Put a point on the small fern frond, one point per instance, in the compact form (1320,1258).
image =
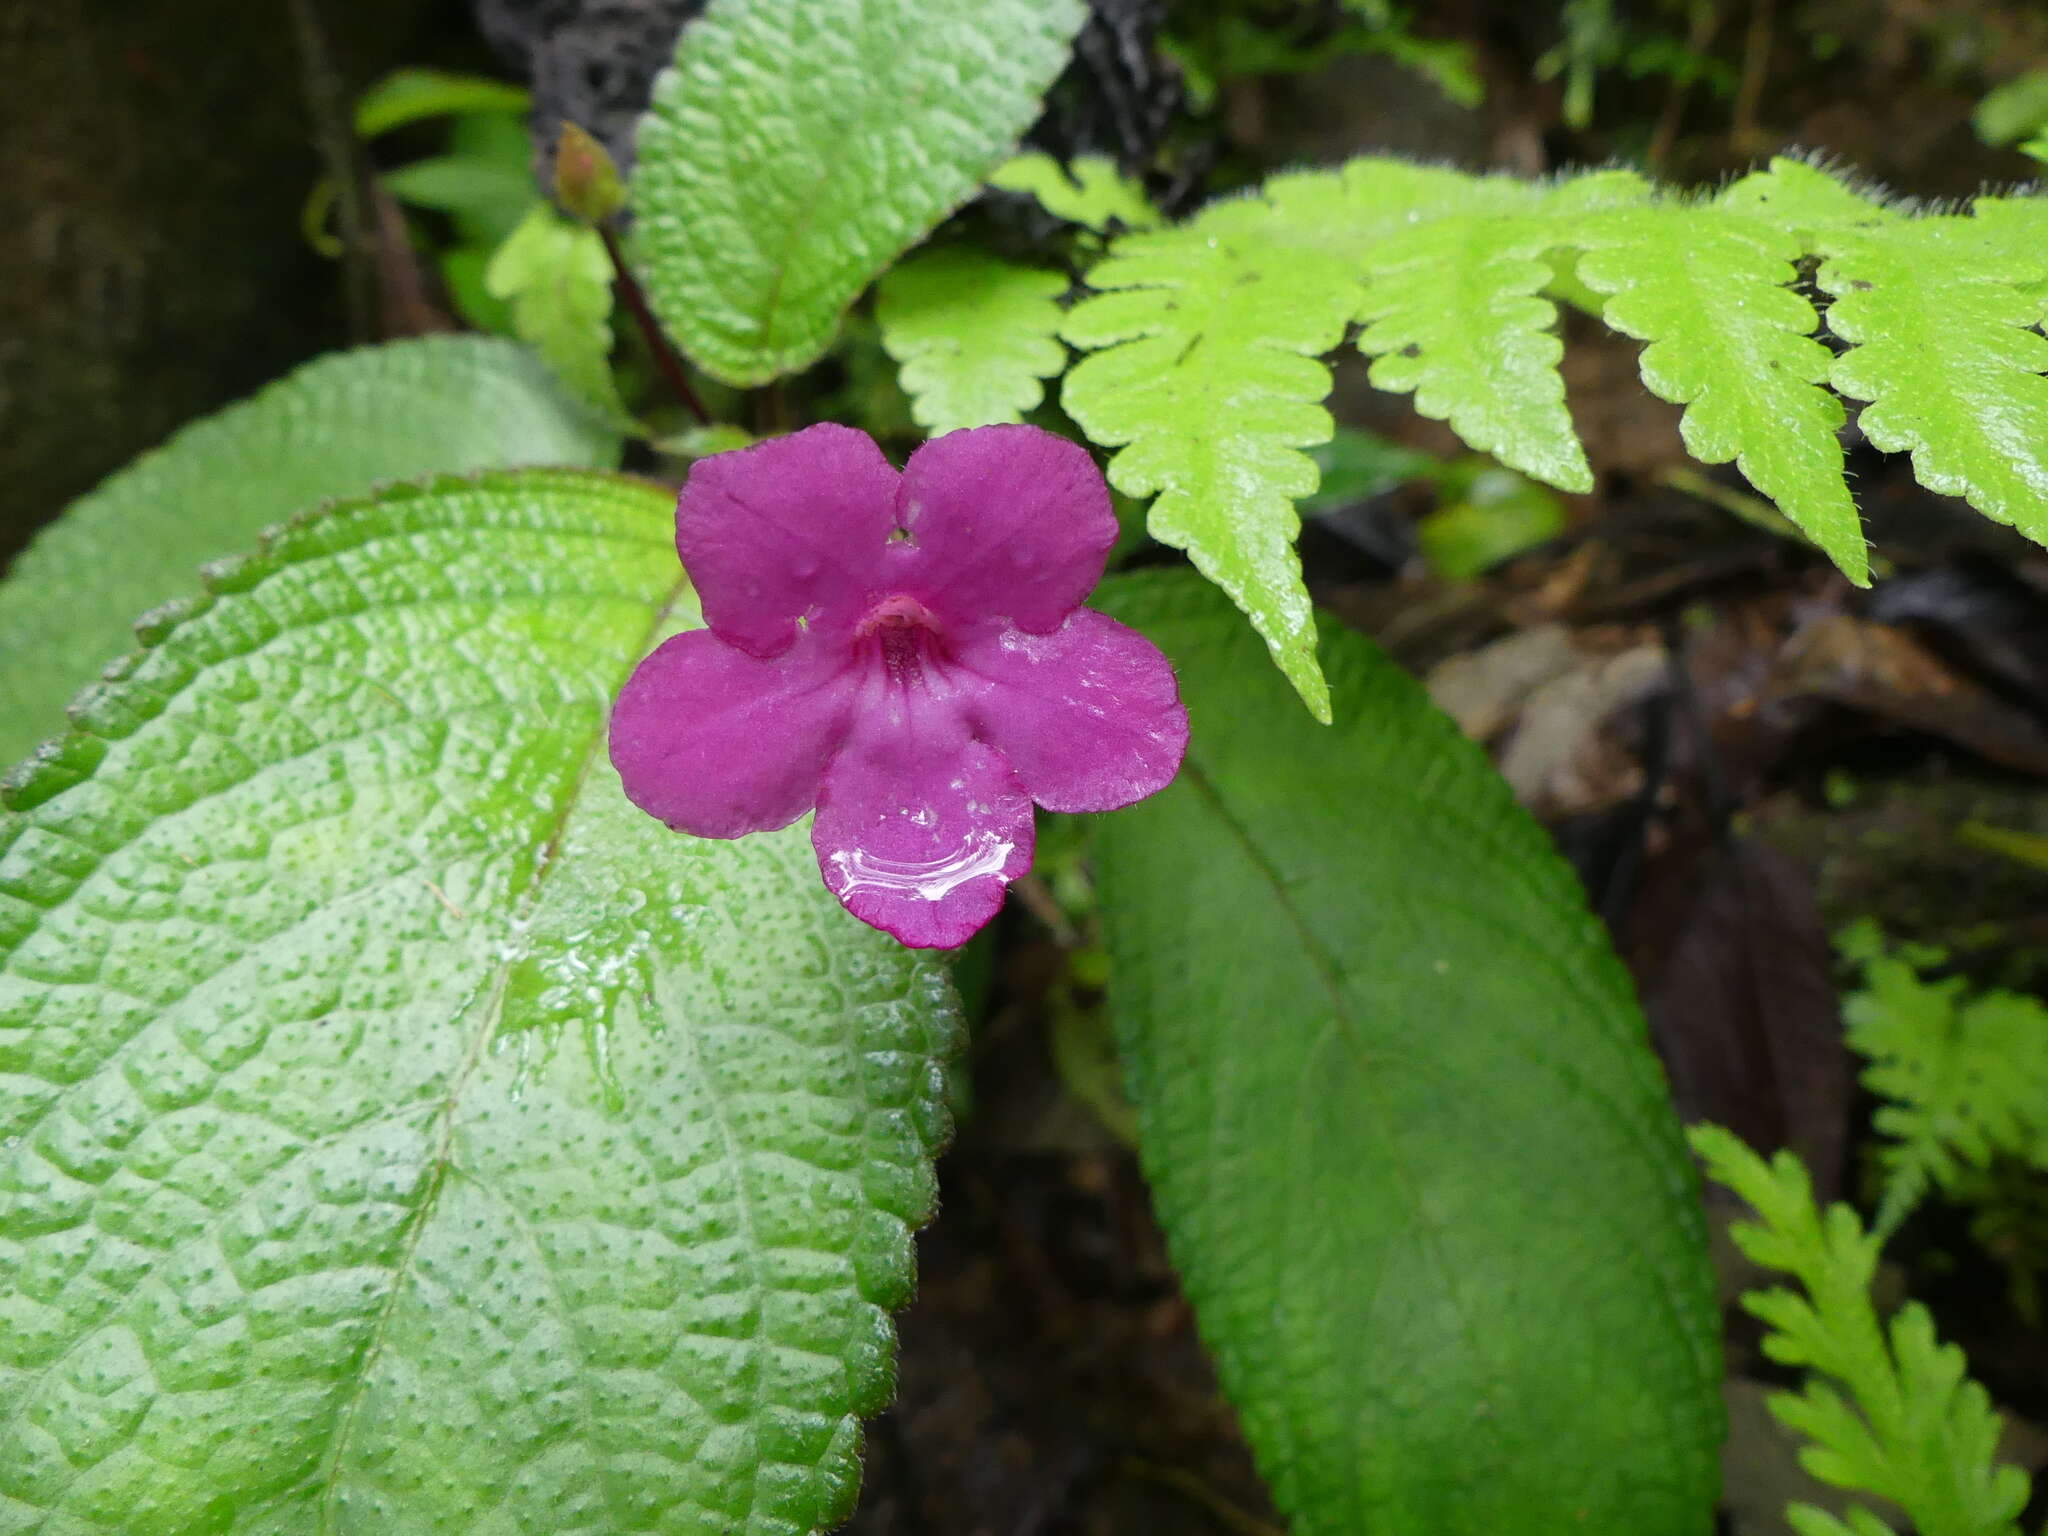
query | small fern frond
(1889,1413)
(1941,313)
(1203,373)
(976,336)
(1729,339)
(1962,1079)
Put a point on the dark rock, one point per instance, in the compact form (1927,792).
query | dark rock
(593,62)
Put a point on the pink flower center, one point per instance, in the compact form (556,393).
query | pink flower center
(907,635)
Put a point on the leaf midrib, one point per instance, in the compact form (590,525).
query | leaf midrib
(1330,976)
(1327,973)
(490,1015)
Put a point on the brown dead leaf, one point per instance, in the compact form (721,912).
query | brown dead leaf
(1885,672)
(1726,941)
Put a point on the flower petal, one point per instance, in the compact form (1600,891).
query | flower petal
(719,743)
(1009,521)
(920,828)
(1089,716)
(794,527)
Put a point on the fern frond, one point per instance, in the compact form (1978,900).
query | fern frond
(1707,288)
(1206,338)
(1963,1079)
(1941,311)
(1889,1413)
(1203,372)
(976,336)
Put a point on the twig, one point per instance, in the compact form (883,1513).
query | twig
(334,138)
(665,356)
(1220,1509)
(1706,21)
(1756,65)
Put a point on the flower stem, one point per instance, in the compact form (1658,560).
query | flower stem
(657,342)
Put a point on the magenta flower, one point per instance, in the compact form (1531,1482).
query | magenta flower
(907,653)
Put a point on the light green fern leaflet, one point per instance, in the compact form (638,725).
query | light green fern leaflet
(1089,190)
(795,150)
(1942,311)
(1452,308)
(402,1135)
(976,336)
(557,278)
(1794,195)
(1205,369)
(1889,1411)
(1729,339)
(1205,376)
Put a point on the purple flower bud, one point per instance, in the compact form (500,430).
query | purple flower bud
(908,655)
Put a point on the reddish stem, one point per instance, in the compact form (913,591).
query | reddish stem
(657,341)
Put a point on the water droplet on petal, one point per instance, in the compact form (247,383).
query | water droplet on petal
(932,879)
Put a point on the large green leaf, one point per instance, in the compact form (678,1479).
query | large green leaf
(1414,1158)
(794,150)
(333,428)
(399,1133)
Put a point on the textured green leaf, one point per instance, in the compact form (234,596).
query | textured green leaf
(557,278)
(1090,191)
(401,1133)
(333,428)
(1417,1167)
(795,150)
(977,336)
(1732,342)
(1941,312)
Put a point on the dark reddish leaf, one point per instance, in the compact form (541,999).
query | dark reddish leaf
(1736,973)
